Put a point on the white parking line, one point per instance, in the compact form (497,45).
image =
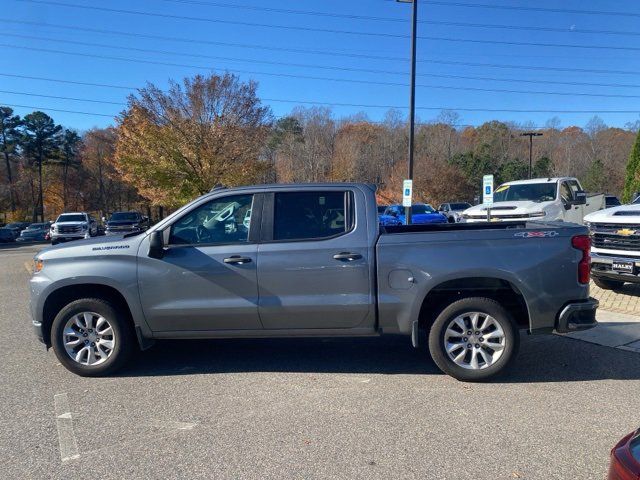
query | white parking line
(64,423)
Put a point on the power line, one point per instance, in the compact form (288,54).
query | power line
(58,110)
(532,9)
(324,67)
(332,31)
(58,97)
(399,20)
(324,52)
(73,82)
(347,80)
(123,87)
(339,104)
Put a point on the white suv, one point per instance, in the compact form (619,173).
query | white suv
(73,226)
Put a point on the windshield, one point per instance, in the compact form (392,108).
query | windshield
(533,192)
(418,209)
(460,206)
(71,217)
(36,226)
(124,217)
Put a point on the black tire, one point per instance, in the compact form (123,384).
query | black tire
(54,242)
(607,284)
(451,220)
(122,332)
(467,305)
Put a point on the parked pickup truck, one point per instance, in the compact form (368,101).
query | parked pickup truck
(73,226)
(126,222)
(615,235)
(311,261)
(540,198)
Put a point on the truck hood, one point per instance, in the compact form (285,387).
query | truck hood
(509,208)
(623,214)
(92,246)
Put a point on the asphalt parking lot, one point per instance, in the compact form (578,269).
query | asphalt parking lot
(362,408)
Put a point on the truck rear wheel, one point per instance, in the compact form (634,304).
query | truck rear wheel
(473,339)
(91,337)
(607,284)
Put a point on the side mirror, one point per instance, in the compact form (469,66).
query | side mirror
(156,245)
(580,198)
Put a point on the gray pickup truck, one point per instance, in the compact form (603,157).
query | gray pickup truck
(311,261)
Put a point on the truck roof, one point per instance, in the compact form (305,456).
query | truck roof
(539,180)
(297,185)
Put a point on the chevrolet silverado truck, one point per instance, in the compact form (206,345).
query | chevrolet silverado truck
(73,226)
(538,199)
(311,261)
(615,234)
(126,222)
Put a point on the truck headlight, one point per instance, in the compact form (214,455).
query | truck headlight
(537,214)
(84,227)
(37,265)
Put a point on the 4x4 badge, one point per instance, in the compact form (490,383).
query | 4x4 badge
(550,233)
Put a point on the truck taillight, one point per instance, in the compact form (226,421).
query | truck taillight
(583,243)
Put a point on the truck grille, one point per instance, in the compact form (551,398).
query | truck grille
(69,229)
(616,236)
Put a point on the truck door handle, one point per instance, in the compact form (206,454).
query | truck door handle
(347,256)
(236,260)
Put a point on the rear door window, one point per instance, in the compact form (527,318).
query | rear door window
(311,215)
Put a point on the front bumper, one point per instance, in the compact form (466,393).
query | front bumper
(601,266)
(68,237)
(110,232)
(577,316)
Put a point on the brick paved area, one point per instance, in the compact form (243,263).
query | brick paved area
(625,300)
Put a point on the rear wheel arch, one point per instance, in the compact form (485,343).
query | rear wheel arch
(500,290)
(63,296)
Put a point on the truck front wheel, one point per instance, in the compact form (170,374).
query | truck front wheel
(607,284)
(473,339)
(91,337)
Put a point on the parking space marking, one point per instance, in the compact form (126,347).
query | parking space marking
(64,424)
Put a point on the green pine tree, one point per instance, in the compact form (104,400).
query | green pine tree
(632,179)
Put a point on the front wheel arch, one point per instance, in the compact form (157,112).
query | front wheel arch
(63,296)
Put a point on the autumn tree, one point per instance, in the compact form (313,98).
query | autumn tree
(632,180)
(40,141)
(177,144)
(68,158)
(9,140)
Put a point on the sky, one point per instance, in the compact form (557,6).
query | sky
(351,55)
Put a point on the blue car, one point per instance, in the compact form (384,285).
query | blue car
(421,213)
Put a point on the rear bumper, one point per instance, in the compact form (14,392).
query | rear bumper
(577,316)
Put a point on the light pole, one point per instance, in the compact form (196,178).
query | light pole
(530,135)
(412,95)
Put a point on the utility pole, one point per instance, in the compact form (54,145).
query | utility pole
(531,135)
(412,95)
